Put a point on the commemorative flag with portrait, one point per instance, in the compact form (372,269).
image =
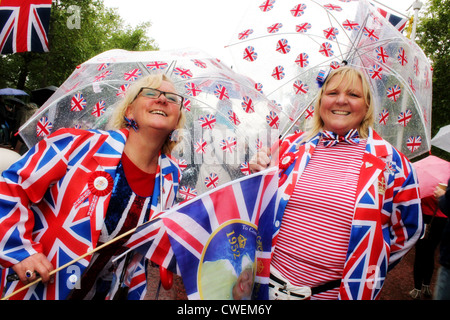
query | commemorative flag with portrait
(218,240)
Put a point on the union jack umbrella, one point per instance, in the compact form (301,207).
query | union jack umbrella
(225,113)
(287,45)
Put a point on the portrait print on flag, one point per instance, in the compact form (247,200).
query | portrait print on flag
(24,25)
(220,241)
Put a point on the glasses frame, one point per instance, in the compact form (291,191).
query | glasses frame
(162,93)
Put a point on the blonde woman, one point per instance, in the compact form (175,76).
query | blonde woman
(349,206)
(77,189)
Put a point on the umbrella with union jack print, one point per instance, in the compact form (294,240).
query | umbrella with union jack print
(287,45)
(226,116)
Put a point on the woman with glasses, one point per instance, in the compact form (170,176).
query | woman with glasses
(78,189)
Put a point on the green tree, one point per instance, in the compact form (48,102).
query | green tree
(79,30)
(434,38)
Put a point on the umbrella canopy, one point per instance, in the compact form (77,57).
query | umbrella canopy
(227,118)
(431,171)
(442,138)
(12,92)
(286,46)
(39,96)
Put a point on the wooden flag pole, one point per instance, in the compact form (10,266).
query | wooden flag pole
(75,260)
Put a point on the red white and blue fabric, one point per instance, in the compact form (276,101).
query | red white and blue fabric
(387,220)
(24,25)
(40,190)
(187,236)
(331,139)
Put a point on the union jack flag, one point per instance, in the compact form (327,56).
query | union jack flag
(77,103)
(132,75)
(24,25)
(351,25)
(398,22)
(413,143)
(404,117)
(250,54)
(401,57)
(187,193)
(192,89)
(275,27)
(273,120)
(283,47)
(412,85)
(247,104)
(182,163)
(103,66)
(267,5)
(375,71)
(199,63)
(278,73)
(416,66)
(382,55)
(331,33)
(233,117)
(209,231)
(298,10)
(300,87)
(370,33)
(302,28)
(157,65)
(212,181)
(228,144)
(221,92)
(122,91)
(102,75)
(383,117)
(332,7)
(200,146)
(99,109)
(183,73)
(187,104)
(393,93)
(245,34)
(326,49)
(302,60)
(44,127)
(309,112)
(258,87)
(245,168)
(208,121)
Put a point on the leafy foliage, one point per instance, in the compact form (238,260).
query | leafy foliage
(79,30)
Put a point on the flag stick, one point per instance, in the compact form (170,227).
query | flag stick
(76,259)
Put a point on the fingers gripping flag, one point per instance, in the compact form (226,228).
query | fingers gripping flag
(220,241)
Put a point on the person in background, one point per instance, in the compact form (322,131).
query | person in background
(78,189)
(442,290)
(426,246)
(349,206)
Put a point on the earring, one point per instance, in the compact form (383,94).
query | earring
(131,123)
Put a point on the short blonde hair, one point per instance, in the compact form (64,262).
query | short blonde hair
(151,81)
(351,74)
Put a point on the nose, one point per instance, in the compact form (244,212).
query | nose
(341,98)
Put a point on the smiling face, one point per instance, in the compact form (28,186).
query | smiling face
(343,106)
(159,113)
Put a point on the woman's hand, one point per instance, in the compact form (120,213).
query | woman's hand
(36,263)
(438,192)
(260,161)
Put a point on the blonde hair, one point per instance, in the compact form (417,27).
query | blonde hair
(351,75)
(151,81)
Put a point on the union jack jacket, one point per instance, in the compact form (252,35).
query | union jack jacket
(46,206)
(387,218)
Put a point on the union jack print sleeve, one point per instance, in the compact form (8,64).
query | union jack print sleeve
(406,212)
(24,183)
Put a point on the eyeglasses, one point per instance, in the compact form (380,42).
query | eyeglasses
(155,94)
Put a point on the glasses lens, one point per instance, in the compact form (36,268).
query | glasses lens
(150,93)
(173,98)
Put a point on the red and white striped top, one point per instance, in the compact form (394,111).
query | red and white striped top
(313,239)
